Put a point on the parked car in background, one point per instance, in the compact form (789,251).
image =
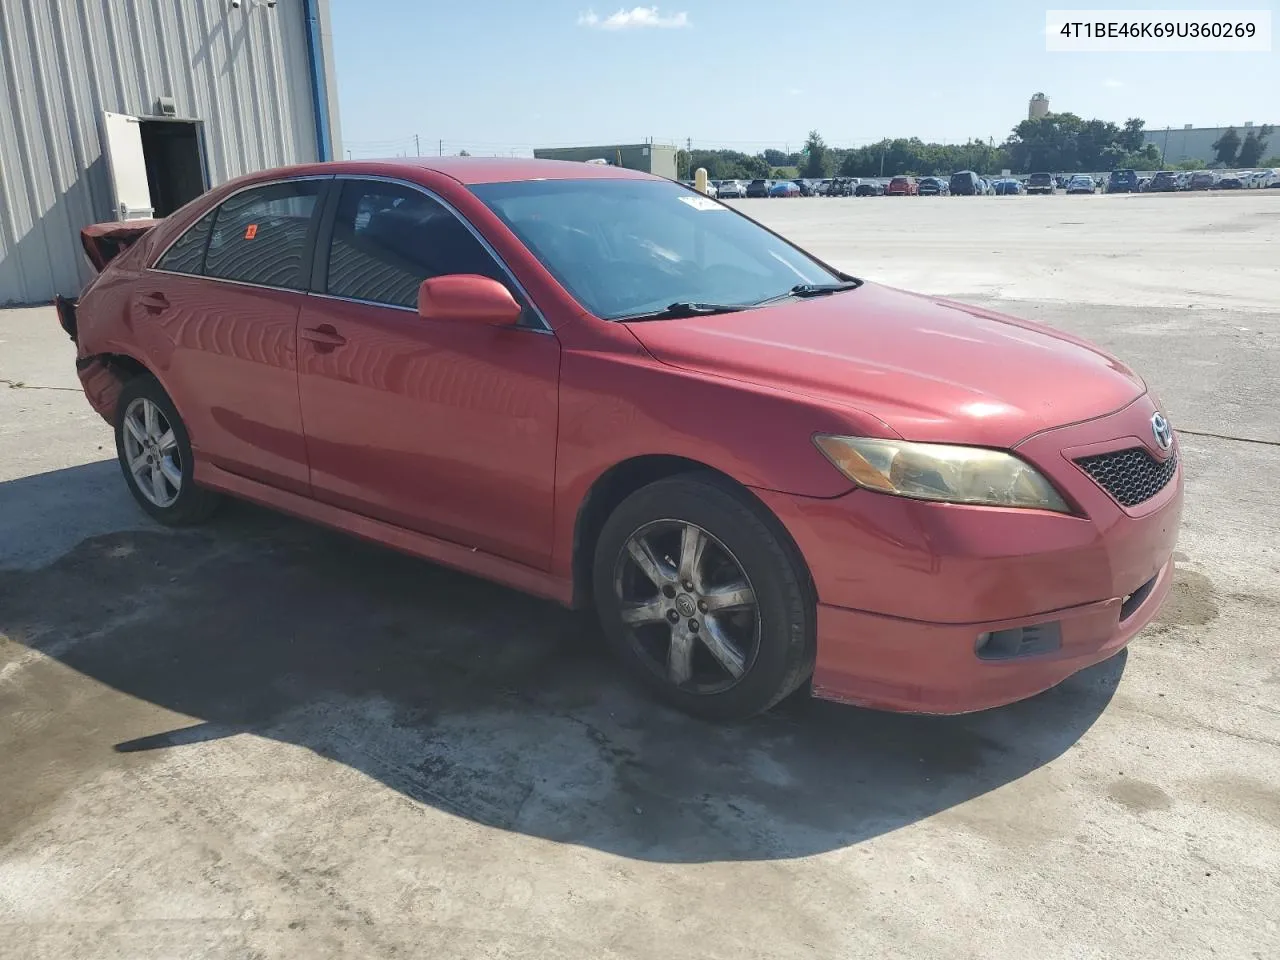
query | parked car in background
(1165,181)
(965,183)
(1061,182)
(1122,181)
(759,188)
(1202,180)
(808,188)
(869,188)
(1009,187)
(1081,183)
(934,187)
(1232,180)
(843,187)
(1040,183)
(784,188)
(732,190)
(1269,179)
(902,187)
(545,374)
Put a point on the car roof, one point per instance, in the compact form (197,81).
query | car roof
(467,170)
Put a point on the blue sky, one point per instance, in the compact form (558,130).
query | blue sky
(496,76)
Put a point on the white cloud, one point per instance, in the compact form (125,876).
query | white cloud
(795,91)
(1113,84)
(635,17)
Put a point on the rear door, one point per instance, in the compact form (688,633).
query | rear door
(444,427)
(126,167)
(219,312)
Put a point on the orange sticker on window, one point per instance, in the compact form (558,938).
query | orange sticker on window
(251,231)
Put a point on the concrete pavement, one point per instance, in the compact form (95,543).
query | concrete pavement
(262,739)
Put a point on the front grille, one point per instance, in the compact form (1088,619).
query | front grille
(1131,476)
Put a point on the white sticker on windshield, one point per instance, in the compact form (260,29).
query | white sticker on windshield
(701,203)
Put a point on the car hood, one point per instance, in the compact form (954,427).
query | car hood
(931,369)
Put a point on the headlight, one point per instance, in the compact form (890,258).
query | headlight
(935,471)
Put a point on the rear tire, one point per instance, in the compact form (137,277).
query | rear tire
(155,456)
(704,597)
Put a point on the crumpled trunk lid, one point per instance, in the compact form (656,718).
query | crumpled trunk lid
(103,242)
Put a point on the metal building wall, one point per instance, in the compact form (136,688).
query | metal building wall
(244,72)
(1194,143)
(659,159)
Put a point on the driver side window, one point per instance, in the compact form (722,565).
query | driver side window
(388,238)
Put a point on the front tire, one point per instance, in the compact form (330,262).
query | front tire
(704,598)
(155,457)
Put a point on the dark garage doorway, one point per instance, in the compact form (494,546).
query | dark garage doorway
(175,163)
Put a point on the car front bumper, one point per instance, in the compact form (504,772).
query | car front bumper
(907,590)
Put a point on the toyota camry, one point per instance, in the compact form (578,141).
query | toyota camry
(763,472)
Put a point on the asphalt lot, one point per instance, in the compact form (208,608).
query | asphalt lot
(261,739)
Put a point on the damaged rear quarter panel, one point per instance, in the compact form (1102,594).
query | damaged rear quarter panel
(108,346)
(102,382)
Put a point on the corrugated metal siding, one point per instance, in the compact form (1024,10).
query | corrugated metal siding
(65,62)
(1192,143)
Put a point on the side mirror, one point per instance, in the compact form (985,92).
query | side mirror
(469,298)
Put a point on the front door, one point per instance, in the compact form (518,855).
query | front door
(448,428)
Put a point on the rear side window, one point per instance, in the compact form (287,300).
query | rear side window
(187,253)
(260,236)
(388,238)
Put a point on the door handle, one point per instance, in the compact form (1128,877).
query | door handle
(154,301)
(324,335)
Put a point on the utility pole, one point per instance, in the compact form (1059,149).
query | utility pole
(439,148)
(883,146)
(348,154)
(417,147)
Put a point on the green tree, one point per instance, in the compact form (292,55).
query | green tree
(756,168)
(1148,158)
(1094,137)
(814,161)
(1192,164)
(1226,147)
(1132,138)
(1272,161)
(1254,146)
(1047,143)
(463,153)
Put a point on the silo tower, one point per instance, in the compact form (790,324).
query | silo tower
(1038,107)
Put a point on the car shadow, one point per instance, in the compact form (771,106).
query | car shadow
(484,702)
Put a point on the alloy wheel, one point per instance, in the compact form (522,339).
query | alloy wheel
(151,452)
(687,606)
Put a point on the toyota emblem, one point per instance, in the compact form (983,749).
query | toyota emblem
(1161,430)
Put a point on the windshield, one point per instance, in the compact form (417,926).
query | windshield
(624,248)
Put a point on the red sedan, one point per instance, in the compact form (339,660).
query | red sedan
(902,187)
(603,388)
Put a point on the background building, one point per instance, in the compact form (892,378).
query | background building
(123,110)
(1038,107)
(1196,143)
(656,158)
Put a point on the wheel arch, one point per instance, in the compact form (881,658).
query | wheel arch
(626,477)
(104,375)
